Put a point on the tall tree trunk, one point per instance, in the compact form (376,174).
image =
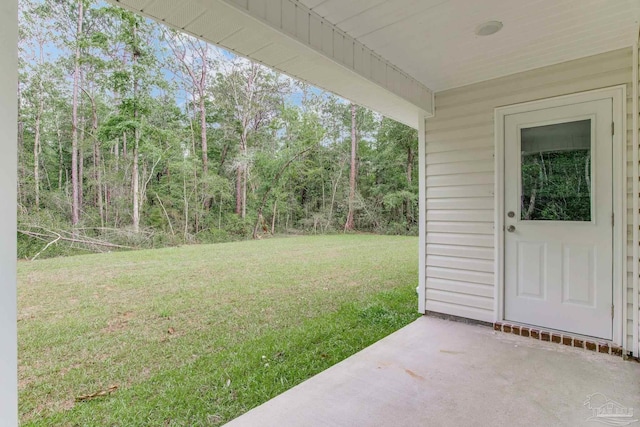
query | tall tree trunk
(20,145)
(203,132)
(409,165)
(95,171)
(97,174)
(116,153)
(239,190)
(349,225)
(38,125)
(241,174)
(135,185)
(273,217)
(106,192)
(36,163)
(203,139)
(186,205)
(135,173)
(124,146)
(244,191)
(36,144)
(75,200)
(196,220)
(220,211)
(81,162)
(60,155)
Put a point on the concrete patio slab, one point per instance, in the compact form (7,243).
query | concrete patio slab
(441,373)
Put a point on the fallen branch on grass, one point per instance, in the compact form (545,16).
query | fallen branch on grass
(47,245)
(97,394)
(66,236)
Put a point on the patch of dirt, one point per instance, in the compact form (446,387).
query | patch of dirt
(43,409)
(170,334)
(23,382)
(28,312)
(214,418)
(67,405)
(65,370)
(118,323)
(146,372)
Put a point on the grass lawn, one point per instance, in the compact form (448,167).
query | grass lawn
(197,335)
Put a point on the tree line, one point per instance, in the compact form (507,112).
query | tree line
(131,134)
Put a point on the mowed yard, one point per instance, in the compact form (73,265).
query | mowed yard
(197,335)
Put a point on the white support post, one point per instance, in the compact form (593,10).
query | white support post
(422,215)
(8,175)
(635,206)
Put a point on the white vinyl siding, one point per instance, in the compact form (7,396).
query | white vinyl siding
(460,174)
(633,220)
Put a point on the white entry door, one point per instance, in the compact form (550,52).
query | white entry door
(559,218)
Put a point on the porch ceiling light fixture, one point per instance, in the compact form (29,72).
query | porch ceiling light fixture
(488,28)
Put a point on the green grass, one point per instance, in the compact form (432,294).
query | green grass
(248,320)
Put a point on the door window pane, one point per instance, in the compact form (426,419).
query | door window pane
(556,172)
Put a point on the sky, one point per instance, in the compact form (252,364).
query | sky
(53,52)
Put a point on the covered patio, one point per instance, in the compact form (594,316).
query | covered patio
(443,373)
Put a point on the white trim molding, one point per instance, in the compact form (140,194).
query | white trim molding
(618,95)
(422,216)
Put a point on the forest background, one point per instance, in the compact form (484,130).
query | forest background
(132,135)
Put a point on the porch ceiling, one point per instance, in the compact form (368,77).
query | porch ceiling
(434,40)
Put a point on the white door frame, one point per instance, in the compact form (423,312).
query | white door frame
(618,94)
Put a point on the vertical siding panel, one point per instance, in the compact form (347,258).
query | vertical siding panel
(358,57)
(327,39)
(302,24)
(289,17)
(274,12)
(348,52)
(463,125)
(315,32)
(259,8)
(633,173)
(338,46)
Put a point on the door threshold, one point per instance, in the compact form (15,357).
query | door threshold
(597,345)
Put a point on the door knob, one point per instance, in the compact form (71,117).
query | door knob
(511,228)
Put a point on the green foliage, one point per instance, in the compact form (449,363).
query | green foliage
(285,144)
(216,235)
(556,186)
